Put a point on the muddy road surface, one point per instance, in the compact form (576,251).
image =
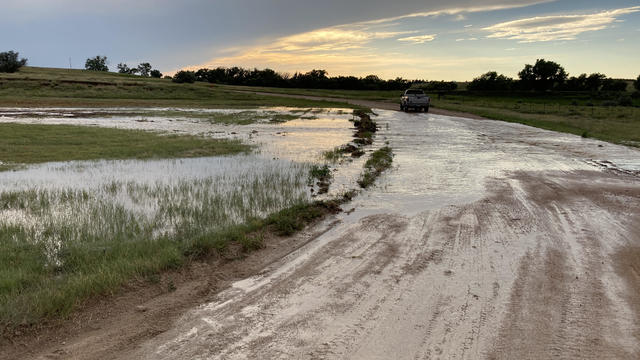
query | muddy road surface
(487,240)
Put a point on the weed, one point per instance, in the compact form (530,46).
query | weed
(379,161)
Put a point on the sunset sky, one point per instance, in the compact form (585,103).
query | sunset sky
(428,39)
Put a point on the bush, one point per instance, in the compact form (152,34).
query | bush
(625,101)
(183,76)
(156,74)
(10,63)
(636,84)
(614,85)
(98,63)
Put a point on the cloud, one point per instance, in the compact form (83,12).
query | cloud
(354,47)
(330,39)
(459,11)
(420,39)
(556,27)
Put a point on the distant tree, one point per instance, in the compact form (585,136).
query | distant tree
(576,83)
(491,81)
(636,84)
(183,76)
(594,82)
(98,63)
(613,85)
(10,62)
(144,69)
(156,74)
(543,76)
(123,68)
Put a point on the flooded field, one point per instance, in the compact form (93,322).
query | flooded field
(69,215)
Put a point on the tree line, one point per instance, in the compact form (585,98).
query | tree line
(546,76)
(314,79)
(543,76)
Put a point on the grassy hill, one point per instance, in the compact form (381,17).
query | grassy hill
(44,87)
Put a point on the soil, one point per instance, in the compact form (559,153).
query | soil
(487,240)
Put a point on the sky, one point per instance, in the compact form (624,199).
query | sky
(414,39)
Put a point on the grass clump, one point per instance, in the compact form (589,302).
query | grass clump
(379,161)
(30,143)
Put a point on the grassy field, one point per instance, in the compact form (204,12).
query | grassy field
(29,144)
(46,87)
(579,114)
(576,115)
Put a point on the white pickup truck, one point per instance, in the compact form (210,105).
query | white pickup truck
(415,99)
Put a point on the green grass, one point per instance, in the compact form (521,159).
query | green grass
(29,144)
(47,87)
(615,124)
(379,161)
(74,244)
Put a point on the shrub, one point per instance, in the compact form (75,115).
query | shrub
(183,76)
(625,101)
(156,74)
(614,85)
(98,63)
(636,84)
(10,63)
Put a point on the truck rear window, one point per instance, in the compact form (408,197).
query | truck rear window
(415,92)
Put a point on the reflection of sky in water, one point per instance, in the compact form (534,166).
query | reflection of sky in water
(95,174)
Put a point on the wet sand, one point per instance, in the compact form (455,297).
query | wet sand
(487,240)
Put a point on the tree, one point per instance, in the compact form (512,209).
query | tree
(614,85)
(543,76)
(491,81)
(98,63)
(183,76)
(594,82)
(144,69)
(10,63)
(156,74)
(636,84)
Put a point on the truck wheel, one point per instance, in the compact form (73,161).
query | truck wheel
(426,109)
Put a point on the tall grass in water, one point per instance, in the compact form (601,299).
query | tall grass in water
(58,247)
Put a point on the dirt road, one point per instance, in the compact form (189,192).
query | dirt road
(487,240)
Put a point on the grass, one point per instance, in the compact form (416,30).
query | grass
(61,247)
(372,95)
(615,124)
(48,87)
(29,144)
(379,161)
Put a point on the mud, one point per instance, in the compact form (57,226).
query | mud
(486,240)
